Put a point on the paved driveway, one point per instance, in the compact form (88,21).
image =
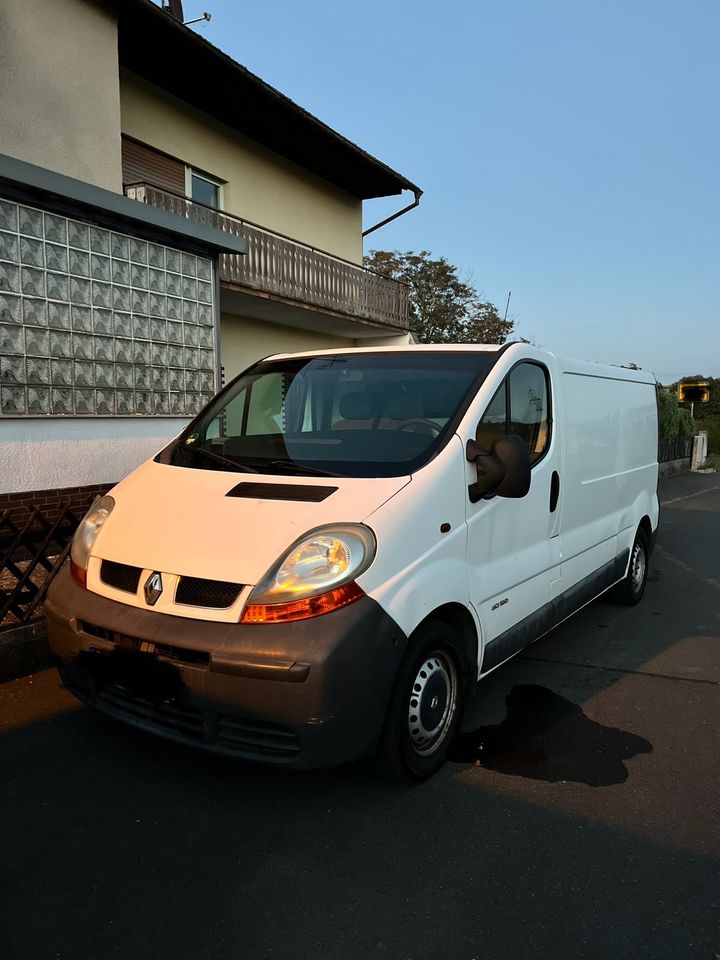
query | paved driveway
(580,818)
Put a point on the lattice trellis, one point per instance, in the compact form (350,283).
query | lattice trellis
(30,557)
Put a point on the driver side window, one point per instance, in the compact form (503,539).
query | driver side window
(494,422)
(521,405)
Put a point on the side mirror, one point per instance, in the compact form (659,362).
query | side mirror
(503,471)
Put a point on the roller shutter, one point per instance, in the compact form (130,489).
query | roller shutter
(143,164)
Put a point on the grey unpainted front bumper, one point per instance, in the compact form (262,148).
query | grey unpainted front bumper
(309,693)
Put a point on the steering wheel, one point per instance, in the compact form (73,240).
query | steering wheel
(415,421)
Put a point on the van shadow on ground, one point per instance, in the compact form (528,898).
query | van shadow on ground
(546,737)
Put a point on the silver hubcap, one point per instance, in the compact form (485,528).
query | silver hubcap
(637,568)
(433,702)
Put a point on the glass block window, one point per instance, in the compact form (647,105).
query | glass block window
(99,323)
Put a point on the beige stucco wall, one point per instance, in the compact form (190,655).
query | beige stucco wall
(243,341)
(59,89)
(260,185)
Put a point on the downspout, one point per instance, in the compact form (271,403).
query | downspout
(418,193)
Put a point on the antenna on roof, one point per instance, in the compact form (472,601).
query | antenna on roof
(174,8)
(206,16)
(507,304)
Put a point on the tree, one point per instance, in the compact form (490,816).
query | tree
(707,415)
(443,308)
(674,420)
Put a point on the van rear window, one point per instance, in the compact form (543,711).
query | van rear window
(349,414)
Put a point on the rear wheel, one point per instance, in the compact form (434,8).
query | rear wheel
(630,590)
(424,707)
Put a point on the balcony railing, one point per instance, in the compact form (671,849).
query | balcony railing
(290,270)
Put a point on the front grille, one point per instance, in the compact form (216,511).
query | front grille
(256,737)
(179,654)
(229,734)
(120,575)
(197,592)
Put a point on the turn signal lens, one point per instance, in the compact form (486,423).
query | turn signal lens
(78,574)
(302,609)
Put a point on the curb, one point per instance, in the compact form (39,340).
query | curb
(671,468)
(23,650)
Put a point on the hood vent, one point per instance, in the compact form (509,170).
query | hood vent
(303,492)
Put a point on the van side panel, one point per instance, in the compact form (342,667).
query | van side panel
(418,567)
(513,553)
(610,468)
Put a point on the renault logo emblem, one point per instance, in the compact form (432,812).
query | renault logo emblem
(153,588)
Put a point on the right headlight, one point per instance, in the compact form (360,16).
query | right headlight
(85,537)
(315,576)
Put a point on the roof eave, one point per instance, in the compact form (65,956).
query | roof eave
(153,44)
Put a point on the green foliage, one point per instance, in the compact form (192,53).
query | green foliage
(711,409)
(443,308)
(706,415)
(674,421)
(686,427)
(712,426)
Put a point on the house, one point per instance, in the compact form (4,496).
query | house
(166,219)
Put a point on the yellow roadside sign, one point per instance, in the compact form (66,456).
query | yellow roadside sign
(695,392)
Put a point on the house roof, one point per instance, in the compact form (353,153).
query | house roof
(159,48)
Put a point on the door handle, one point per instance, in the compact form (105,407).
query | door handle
(554,490)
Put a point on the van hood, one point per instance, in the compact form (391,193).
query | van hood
(180,520)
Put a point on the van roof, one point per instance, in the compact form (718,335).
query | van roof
(565,364)
(404,348)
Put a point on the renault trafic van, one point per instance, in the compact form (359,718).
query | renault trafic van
(334,552)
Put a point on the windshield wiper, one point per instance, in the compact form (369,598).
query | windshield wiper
(300,468)
(223,461)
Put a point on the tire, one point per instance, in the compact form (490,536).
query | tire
(630,590)
(424,708)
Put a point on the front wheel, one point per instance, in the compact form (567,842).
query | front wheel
(425,706)
(630,590)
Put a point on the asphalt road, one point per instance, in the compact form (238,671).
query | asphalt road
(580,818)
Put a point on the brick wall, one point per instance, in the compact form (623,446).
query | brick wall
(49,501)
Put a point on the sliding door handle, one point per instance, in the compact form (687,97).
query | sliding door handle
(554,490)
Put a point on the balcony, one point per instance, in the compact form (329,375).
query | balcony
(285,270)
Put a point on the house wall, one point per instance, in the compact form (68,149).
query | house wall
(60,101)
(43,454)
(260,185)
(243,341)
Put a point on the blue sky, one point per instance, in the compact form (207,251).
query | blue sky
(569,151)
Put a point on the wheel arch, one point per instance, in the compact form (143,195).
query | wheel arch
(626,538)
(646,525)
(461,622)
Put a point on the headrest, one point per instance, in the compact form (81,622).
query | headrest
(355,406)
(404,406)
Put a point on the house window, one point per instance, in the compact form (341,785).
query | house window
(203,189)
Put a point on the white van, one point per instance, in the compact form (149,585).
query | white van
(341,544)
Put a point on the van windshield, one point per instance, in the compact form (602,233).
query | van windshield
(350,414)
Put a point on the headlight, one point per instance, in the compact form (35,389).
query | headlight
(315,575)
(85,537)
